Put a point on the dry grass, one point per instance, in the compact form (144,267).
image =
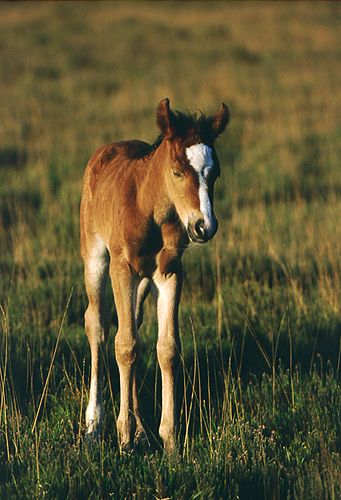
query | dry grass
(260,315)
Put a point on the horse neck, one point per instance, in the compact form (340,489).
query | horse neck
(153,191)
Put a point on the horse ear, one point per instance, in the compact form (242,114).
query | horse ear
(220,120)
(165,119)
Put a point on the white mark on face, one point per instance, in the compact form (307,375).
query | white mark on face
(200,158)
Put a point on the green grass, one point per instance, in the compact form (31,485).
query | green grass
(258,386)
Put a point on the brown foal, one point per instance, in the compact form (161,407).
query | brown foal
(141,206)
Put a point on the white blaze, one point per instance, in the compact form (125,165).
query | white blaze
(200,158)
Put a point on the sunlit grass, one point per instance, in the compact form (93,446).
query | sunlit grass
(259,400)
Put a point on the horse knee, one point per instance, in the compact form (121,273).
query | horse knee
(166,353)
(93,325)
(125,348)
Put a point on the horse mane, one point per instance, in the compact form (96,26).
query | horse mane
(156,143)
(137,150)
(196,125)
(188,125)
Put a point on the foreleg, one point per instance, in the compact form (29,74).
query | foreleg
(168,348)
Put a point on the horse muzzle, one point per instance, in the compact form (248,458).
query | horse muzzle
(199,231)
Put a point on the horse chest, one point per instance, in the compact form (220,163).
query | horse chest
(152,251)
(143,248)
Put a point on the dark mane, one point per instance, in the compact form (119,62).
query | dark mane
(140,149)
(156,143)
(188,124)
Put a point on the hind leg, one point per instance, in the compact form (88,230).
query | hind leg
(142,293)
(140,437)
(96,327)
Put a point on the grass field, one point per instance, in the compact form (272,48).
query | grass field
(260,317)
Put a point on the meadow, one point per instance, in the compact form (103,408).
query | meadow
(258,383)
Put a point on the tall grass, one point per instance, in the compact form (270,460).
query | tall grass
(258,382)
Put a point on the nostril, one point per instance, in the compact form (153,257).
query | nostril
(200,227)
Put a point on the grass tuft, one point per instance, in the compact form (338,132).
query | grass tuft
(258,383)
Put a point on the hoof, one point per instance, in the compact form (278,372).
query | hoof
(170,448)
(126,449)
(91,444)
(93,430)
(94,419)
(91,437)
(141,441)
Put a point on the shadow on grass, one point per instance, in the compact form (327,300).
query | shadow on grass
(19,206)
(203,374)
(13,157)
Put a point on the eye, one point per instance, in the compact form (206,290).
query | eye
(178,169)
(177,173)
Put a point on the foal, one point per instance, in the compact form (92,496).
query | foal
(141,206)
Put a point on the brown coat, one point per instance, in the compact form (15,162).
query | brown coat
(141,205)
